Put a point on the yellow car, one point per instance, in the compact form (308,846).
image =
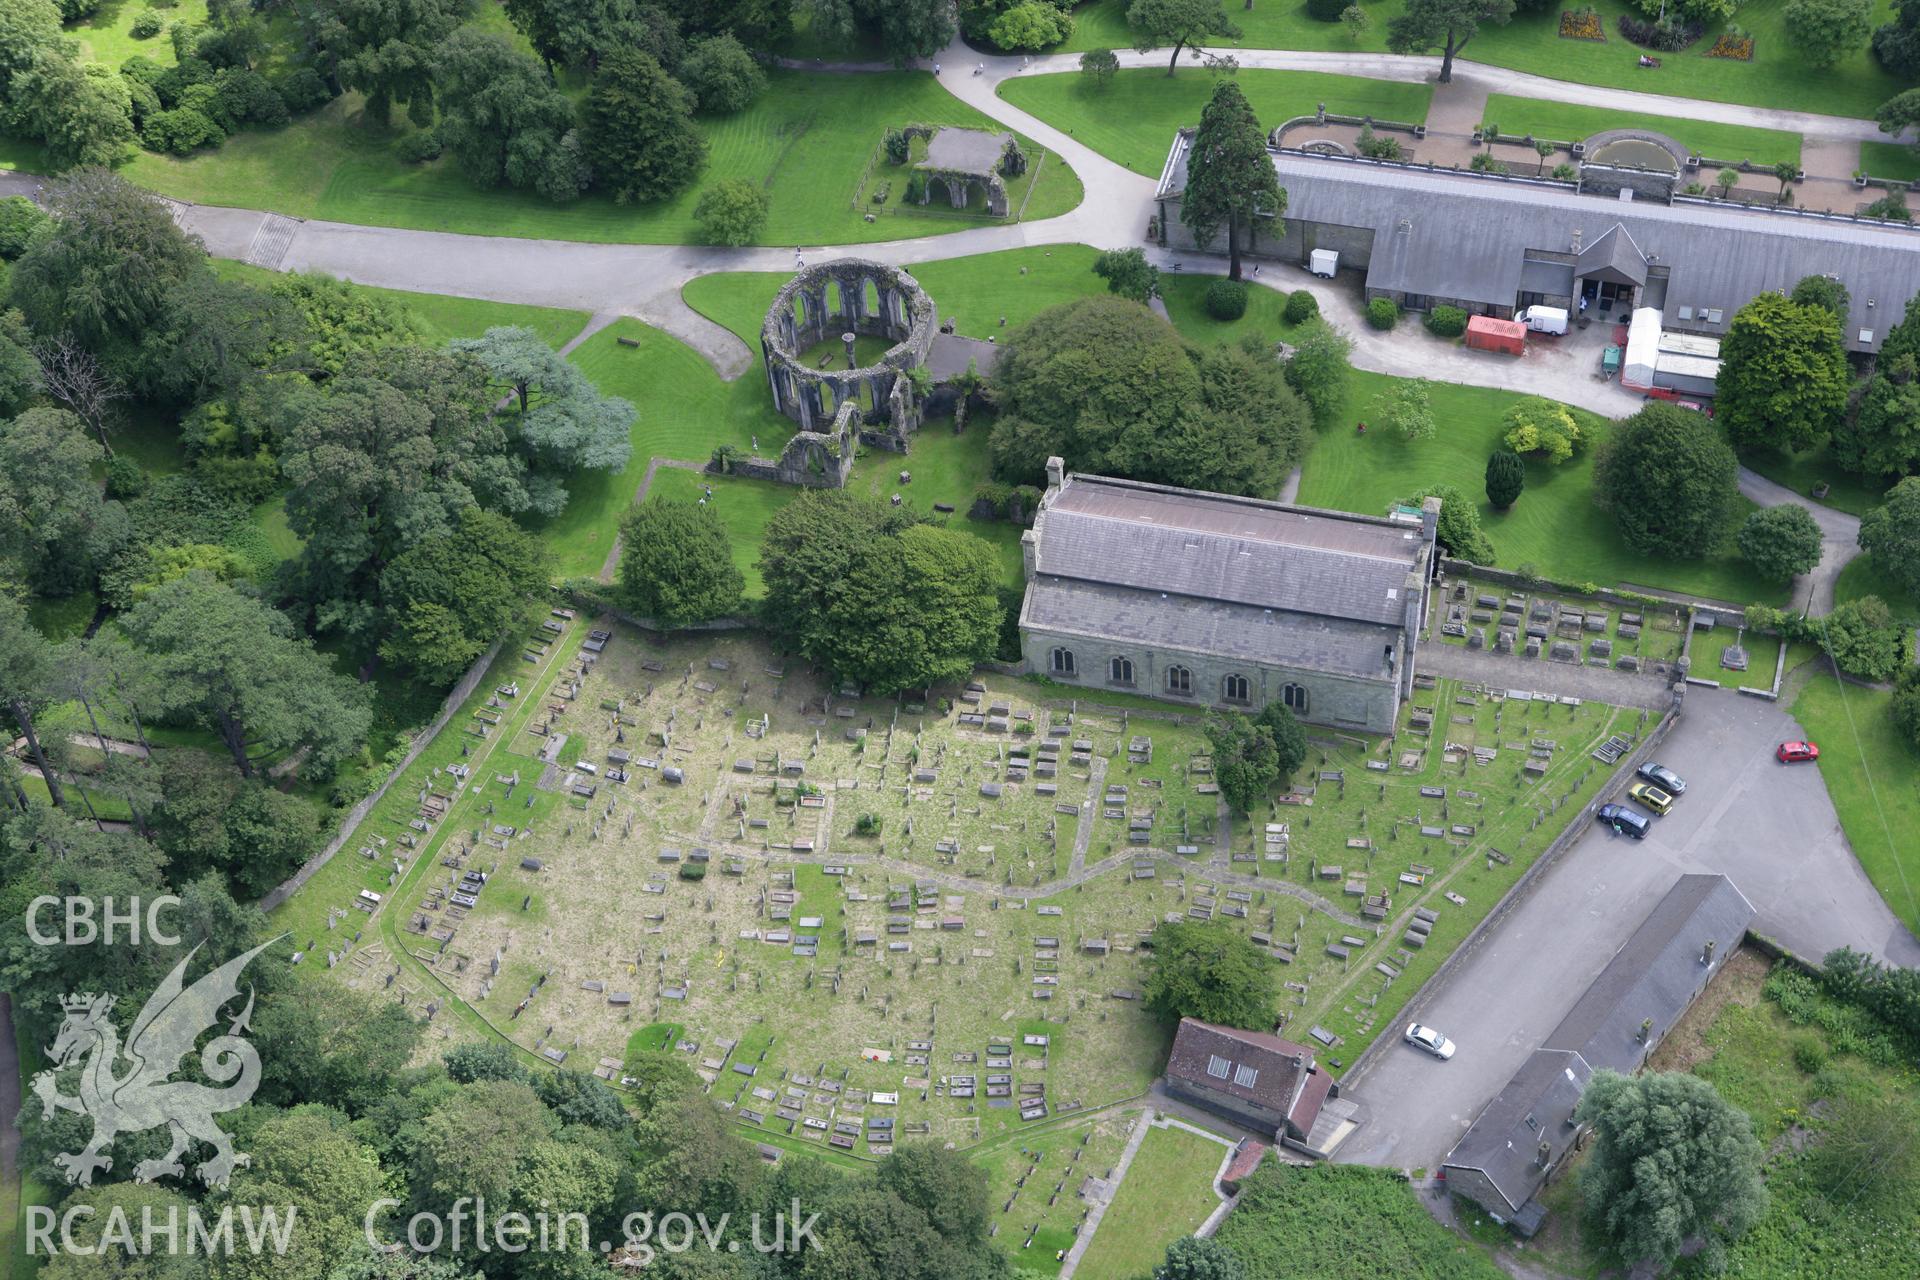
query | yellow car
(1651,796)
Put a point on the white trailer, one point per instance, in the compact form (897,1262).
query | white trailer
(1323,262)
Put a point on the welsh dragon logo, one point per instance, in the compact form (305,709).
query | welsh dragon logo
(144,1097)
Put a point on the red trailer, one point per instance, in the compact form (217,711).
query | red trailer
(1489,334)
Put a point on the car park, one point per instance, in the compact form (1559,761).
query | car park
(1651,797)
(1431,1041)
(1623,821)
(1796,752)
(1664,778)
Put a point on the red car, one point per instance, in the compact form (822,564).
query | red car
(1794,752)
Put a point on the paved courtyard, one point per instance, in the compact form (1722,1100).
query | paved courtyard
(1768,827)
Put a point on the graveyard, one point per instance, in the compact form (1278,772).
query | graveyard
(1559,628)
(862,920)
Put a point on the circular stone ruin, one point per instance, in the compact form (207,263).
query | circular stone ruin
(809,339)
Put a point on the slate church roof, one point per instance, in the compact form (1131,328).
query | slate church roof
(1250,1066)
(1211,573)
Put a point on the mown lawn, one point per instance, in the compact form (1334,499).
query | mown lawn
(1566,122)
(807,141)
(1555,526)
(1898,160)
(1874,778)
(1776,77)
(1167,1193)
(1862,577)
(1132,120)
(1801,472)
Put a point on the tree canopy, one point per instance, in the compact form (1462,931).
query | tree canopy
(451,595)
(1781,542)
(676,564)
(1180,23)
(385,49)
(504,121)
(1128,273)
(1445,24)
(1459,529)
(1231,181)
(1251,753)
(1670,480)
(1113,389)
(1209,972)
(862,589)
(1671,1159)
(639,131)
(1783,374)
(1890,535)
(233,664)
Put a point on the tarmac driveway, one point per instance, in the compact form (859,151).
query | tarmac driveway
(1768,827)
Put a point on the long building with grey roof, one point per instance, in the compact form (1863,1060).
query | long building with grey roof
(1213,600)
(1524,1135)
(1492,244)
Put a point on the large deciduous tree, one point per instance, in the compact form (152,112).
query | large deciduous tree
(639,130)
(402,444)
(1890,534)
(1671,1159)
(1781,542)
(1318,368)
(859,588)
(1251,753)
(908,29)
(107,269)
(1670,481)
(732,212)
(676,564)
(1209,972)
(55,527)
(1783,374)
(1897,44)
(1882,435)
(1180,23)
(1231,182)
(1825,31)
(1113,389)
(25,682)
(503,121)
(234,665)
(564,423)
(386,49)
(82,114)
(451,595)
(1129,274)
(1444,24)
(722,75)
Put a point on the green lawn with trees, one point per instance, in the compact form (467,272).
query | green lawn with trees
(805,142)
(1778,75)
(1570,122)
(1131,119)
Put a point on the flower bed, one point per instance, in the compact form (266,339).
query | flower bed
(1582,24)
(1737,47)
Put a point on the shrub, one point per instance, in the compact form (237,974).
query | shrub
(181,131)
(1670,36)
(1375,147)
(1301,307)
(418,147)
(1545,427)
(146,26)
(693,871)
(125,479)
(1226,299)
(303,89)
(1565,173)
(899,147)
(245,97)
(1483,162)
(916,192)
(1030,27)
(1892,207)
(1383,313)
(1446,322)
(1327,10)
(1809,1054)
(867,824)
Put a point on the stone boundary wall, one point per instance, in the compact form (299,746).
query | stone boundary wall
(1531,877)
(356,815)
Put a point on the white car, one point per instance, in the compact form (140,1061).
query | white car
(1432,1041)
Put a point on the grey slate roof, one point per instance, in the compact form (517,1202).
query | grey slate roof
(1452,234)
(1655,974)
(1175,624)
(1239,551)
(1614,257)
(1502,1143)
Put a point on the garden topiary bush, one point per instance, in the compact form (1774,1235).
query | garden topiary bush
(418,148)
(1383,313)
(1301,307)
(1226,299)
(1446,322)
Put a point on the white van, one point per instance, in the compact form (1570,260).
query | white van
(1544,319)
